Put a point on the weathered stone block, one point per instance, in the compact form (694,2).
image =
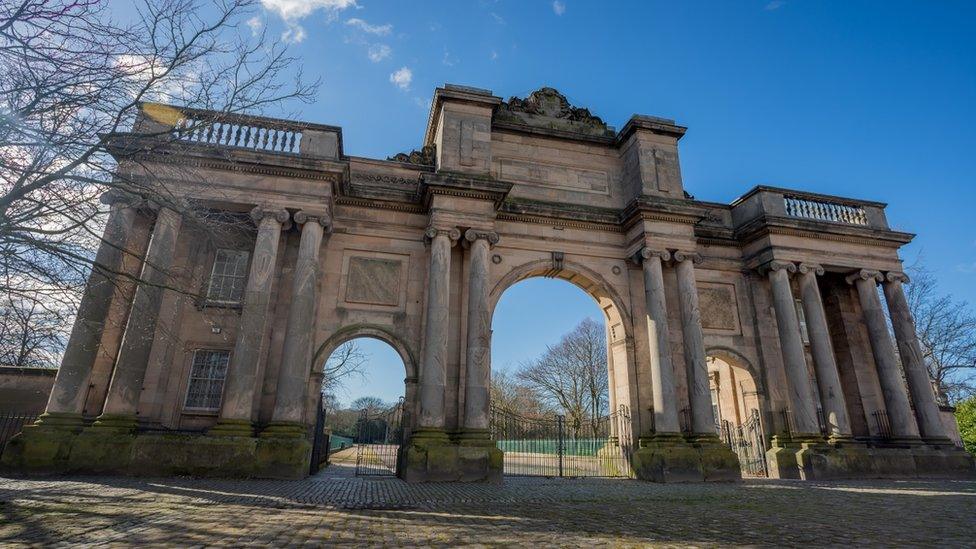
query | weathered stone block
(668,462)
(39,450)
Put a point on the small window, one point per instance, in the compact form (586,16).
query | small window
(804,334)
(207,379)
(228,277)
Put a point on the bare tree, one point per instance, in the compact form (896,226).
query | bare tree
(572,375)
(32,332)
(371,404)
(510,393)
(346,361)
(946,330)
(73,84)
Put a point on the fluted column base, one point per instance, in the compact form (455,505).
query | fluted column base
(285,429)
(227,427)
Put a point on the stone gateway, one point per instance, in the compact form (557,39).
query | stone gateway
(770,313)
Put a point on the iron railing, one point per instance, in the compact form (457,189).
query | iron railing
(558,446)
(378,440)
(819,210)
(749,444)
(12,423)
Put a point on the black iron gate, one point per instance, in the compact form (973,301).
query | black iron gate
(320,441)
(748,442)
(379,435)
(557,446)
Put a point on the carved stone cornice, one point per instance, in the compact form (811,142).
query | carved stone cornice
(864,274)
(896,276)
(462,185)
(471,235)
(852,234)
(776,266)
(304,217)
(681,256)
(426,156)
(261,213)
(451,233)
(359,202)
(805,268)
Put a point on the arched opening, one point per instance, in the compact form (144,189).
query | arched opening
(737,405)
(363,376)
(560,374)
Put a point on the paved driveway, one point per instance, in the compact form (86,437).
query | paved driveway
(336,508)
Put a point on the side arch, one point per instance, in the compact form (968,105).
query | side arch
(382,333)
(735,358)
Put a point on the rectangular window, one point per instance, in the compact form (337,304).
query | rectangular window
(207,379)
(228,277)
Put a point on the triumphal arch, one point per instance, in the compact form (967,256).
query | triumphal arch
(211,364)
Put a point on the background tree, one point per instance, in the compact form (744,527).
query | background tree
(572,375)
(966,417)
(947,333)
(511,394)
(72,83)
(32,331)
(346,361)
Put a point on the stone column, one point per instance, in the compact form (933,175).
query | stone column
(802,405)
(241,382)
(824,362)
(67,399)
(293,376)
(702,416)
(659,339)
(478,366)
(433,366)
(899,410)
(919,384)
(122,400)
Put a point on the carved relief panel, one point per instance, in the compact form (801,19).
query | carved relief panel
(373,280)
(719,309)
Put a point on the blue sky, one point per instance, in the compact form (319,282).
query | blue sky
(873,100)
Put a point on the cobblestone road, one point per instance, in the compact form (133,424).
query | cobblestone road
(335,508)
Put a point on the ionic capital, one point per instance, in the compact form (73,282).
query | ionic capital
(865,274)
(647,253)
(112,197)
(777,265)
(681,256)
(304,217)
(471,235)
(896,276)
(433,232)
(813,268)
(260,213)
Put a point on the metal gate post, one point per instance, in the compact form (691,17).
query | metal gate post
(560,427)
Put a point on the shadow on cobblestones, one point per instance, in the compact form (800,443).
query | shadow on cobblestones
(537,511)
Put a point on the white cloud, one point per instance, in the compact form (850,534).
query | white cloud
(378,30)
(255,25)
(293,11)
(558,7)
(379,52)
(293,35)
(498,18)
(494,55)
(774,5)
(967,268)
(402,78)
(449,60)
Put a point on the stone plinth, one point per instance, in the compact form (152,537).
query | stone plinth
(816,460)
(672,458)
(433,457)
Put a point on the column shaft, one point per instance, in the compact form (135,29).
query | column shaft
(433,368)
(130,367)
(296,357)
(241,382)
(919,383)
(824,362)
(69,390)
(702,416)
(477,373)
(659,339)
(889,374)
(794,358)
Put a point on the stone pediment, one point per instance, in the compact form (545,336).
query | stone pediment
(546,108)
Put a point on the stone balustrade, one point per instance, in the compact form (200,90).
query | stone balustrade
(819,210)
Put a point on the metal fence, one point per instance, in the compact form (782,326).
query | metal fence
(557,446)
(378,440)
(749,444)
(12,423)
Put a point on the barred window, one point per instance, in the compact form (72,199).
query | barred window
(228,277)
(207,379)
